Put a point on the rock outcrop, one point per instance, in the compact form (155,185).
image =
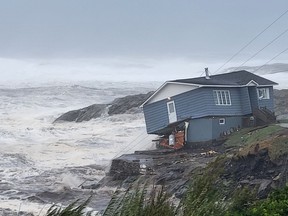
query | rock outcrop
(84,114)
(128,104)
(281,103)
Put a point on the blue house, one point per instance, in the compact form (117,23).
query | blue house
(210,107)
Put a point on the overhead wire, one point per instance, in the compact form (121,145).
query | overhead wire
(272,60)
(255,54)
(122,151)
(253,39)
(125,150)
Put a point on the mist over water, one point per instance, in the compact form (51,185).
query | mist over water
(50,72)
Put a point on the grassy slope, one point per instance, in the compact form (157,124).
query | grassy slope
(274,138)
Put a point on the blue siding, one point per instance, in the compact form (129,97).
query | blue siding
(230,122)
(156,116)
(200,102)
(200,130)
(268,103)
(206,129)
(245,101)
(253,97)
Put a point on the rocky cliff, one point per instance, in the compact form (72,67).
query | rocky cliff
(250,164)
(281,103)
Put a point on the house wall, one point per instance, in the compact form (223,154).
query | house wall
(207,129)
(156,116)
(201,102)
(268,103)
(195,104)
(253,97)
(199,130)
(230,123)
(245,101)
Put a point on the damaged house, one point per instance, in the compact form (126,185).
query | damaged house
(208,108)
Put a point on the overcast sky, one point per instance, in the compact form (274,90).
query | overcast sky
(193,30)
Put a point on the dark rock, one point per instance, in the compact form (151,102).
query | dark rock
(9,212)
(92,186)
(128,104)
(85,114)
(264,188)
(281,103)
(121,169)
(125,104)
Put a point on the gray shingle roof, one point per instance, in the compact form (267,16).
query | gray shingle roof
(233,78)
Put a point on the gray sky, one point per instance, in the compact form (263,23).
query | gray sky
(138,39)
(201,29)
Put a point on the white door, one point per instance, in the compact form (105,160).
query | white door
(171,111)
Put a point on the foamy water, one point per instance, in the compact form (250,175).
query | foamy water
(43,163)
(38,156)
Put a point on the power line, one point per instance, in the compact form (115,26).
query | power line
(123,151)
(251,41)
(272,60)
(129,144)
(262,48)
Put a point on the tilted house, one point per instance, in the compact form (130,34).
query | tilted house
(213,106)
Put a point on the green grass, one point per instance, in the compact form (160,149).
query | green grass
(245,137)
(71,210)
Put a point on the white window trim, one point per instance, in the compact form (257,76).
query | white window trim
(220,99)
(222,119)
(266,91)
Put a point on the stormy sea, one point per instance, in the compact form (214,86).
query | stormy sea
(44,162)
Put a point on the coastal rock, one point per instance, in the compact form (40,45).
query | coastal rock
(125,104)
(281,103)
(84,114)
(128,104)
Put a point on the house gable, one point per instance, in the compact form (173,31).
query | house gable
(252,83)
(168,90)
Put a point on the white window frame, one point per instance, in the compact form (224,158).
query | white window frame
(222,97)
(222,121)
(263,93)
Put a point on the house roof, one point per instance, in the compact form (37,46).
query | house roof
(232,79)
(237,78)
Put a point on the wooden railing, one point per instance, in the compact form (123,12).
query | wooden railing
(264,115)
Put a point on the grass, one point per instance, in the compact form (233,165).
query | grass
(141,202)
(272,138)
(74,209)
(248,136)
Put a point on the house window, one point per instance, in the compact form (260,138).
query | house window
(222,97)
(222,121)
(263,93)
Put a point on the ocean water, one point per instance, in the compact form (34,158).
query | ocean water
(44,163)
